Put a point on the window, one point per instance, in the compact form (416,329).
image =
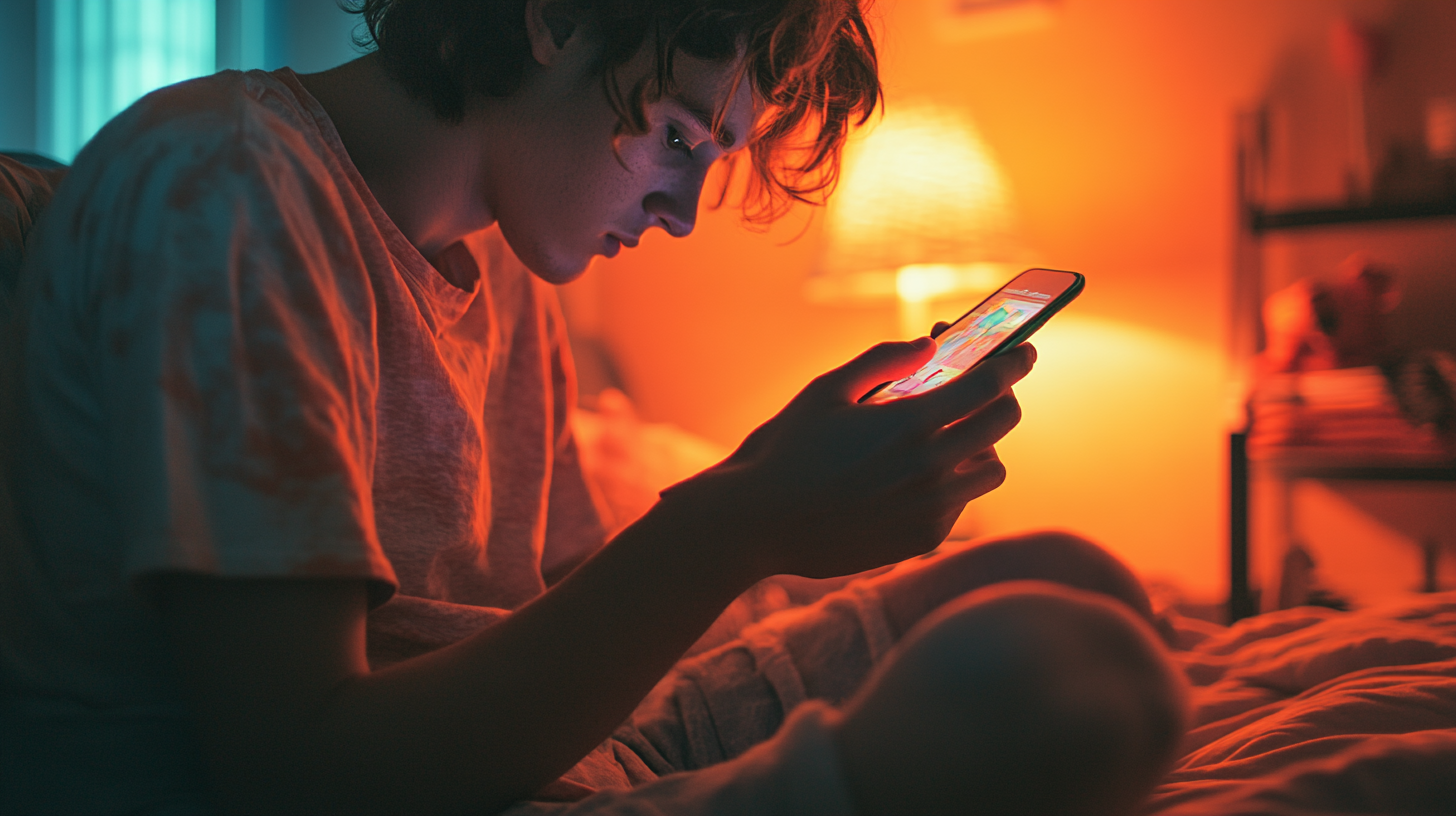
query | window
(96,57)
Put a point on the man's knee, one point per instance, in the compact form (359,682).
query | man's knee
(1065,558)
(918,587)
(1021,697)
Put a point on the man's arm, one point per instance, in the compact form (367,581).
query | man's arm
(292,719)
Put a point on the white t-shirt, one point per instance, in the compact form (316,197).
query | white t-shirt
(228,360)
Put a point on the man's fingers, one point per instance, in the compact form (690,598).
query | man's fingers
(976,476)
(939,327)
(979,431)
(975,461)
(974,389)
(881,363)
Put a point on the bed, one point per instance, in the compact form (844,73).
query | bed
(1313,711)
(1300,712)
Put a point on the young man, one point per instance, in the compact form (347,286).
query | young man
(295,521)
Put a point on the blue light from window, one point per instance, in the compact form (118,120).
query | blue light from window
(105,54)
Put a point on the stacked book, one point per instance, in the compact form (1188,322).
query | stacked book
(1348,416)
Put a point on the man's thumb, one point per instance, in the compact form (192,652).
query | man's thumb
(880,363)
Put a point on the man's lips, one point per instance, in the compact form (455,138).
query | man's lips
(612,244)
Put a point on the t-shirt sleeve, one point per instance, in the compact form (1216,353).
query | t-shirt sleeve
(232,328)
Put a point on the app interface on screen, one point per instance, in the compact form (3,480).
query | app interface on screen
(978,334)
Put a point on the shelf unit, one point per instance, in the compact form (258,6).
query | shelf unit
(1256,223)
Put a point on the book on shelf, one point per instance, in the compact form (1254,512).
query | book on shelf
(1347,414)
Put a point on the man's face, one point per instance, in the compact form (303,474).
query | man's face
(562,196)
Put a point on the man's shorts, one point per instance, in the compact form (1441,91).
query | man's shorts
(733,730)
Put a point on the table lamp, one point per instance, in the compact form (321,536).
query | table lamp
(922,213)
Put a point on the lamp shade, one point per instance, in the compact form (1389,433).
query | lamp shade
(922,211)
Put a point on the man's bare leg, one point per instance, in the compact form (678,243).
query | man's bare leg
(1024,697)
(918,587)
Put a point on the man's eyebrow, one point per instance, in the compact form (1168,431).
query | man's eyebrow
(704,116)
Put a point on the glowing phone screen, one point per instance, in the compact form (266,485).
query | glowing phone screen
(982,331)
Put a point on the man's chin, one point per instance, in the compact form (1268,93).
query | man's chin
(550,267)
(558,274)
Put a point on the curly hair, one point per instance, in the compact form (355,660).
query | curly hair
(811,63)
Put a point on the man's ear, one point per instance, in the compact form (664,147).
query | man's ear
(549,26)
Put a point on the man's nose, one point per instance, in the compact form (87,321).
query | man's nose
(677,212)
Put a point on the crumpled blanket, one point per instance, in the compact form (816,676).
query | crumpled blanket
(1312,711)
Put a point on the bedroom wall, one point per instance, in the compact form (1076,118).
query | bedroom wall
(1114,126)
(308,35)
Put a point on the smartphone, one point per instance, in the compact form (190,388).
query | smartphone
(1000,322)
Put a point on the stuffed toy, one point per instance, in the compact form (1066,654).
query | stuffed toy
(1316,325)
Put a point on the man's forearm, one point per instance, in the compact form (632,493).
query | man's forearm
(471,727)
(538,691)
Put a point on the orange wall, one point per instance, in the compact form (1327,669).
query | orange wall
(1114,128)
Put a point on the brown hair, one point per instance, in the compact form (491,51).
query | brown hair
(812,63)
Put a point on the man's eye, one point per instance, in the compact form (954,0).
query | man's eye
(675,141)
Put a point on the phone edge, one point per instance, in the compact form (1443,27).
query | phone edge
(1079,282)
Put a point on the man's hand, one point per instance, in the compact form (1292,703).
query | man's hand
(830,486)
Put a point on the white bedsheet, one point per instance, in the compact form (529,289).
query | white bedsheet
(1312,711)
